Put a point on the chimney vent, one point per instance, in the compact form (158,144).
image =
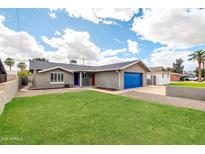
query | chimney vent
(73,61)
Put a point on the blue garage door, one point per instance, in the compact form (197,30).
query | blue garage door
(132,80)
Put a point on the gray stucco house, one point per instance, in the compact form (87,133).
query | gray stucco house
(119,76)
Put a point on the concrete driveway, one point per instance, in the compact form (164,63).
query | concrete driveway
(159,90)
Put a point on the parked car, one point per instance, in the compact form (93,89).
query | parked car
(184,78)
(192,78)
(188,78)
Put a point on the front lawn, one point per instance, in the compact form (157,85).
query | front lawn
(188,84)
(90,117)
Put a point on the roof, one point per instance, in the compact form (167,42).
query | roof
(158,69)
(41,65)
(2,69)
(173,73)
(161,69)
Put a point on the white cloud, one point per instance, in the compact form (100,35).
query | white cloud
(69,44)
(57,33)
(10,45)
(133,46)
(52,14)
(176,28)
(111,52)
(101,15)
(113,59)
(166,56)
(74,45)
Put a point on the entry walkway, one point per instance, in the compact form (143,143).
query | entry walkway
(25,92)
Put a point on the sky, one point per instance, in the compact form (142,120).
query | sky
(103,36)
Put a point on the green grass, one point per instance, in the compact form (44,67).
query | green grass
(188,84)
(90,117)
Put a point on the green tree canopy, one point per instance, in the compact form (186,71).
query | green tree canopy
(9,62)
(178,66)
(199,56)
(202,72)
(21,65)
(41,59)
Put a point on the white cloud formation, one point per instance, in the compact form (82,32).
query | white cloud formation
(113,59)
(176,28)
(69,44)
(74,45)
(111,52)
(133,46)
(52,14)
(57,33)
(166,56)
(10,45)
(101,15)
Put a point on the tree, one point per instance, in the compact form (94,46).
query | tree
(9,62)
(169,69)
(41,59)
(199,56)
(21,65)
(177,66)
(202,72)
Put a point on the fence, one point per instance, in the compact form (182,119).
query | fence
(7,91)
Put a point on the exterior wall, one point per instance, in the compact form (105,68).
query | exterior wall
(42,80)
(7,91)
(107,79)
(175,77)
(186,92)
(3,77)
(134,68)
(160,80)
(11,77)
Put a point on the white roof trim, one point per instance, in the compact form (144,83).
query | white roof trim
(57,67)
(138,61)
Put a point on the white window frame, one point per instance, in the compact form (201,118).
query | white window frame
(57,82)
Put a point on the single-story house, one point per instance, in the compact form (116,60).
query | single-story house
(3,75)
(119,76)
(175,77)
(159,76)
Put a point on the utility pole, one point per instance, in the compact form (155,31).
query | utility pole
(19,29)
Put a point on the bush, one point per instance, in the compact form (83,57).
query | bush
(24,73)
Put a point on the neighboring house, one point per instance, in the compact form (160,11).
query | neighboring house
(3,75)
(114,76)
(175,76)
(158,76)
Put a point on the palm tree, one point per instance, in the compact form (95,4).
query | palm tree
(9,62)
(21,65)
(198,55)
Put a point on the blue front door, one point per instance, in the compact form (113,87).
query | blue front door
(132,80)
(76,79)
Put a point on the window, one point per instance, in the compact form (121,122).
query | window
(162,75)
(167,75)
(84,75)
(57,77)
